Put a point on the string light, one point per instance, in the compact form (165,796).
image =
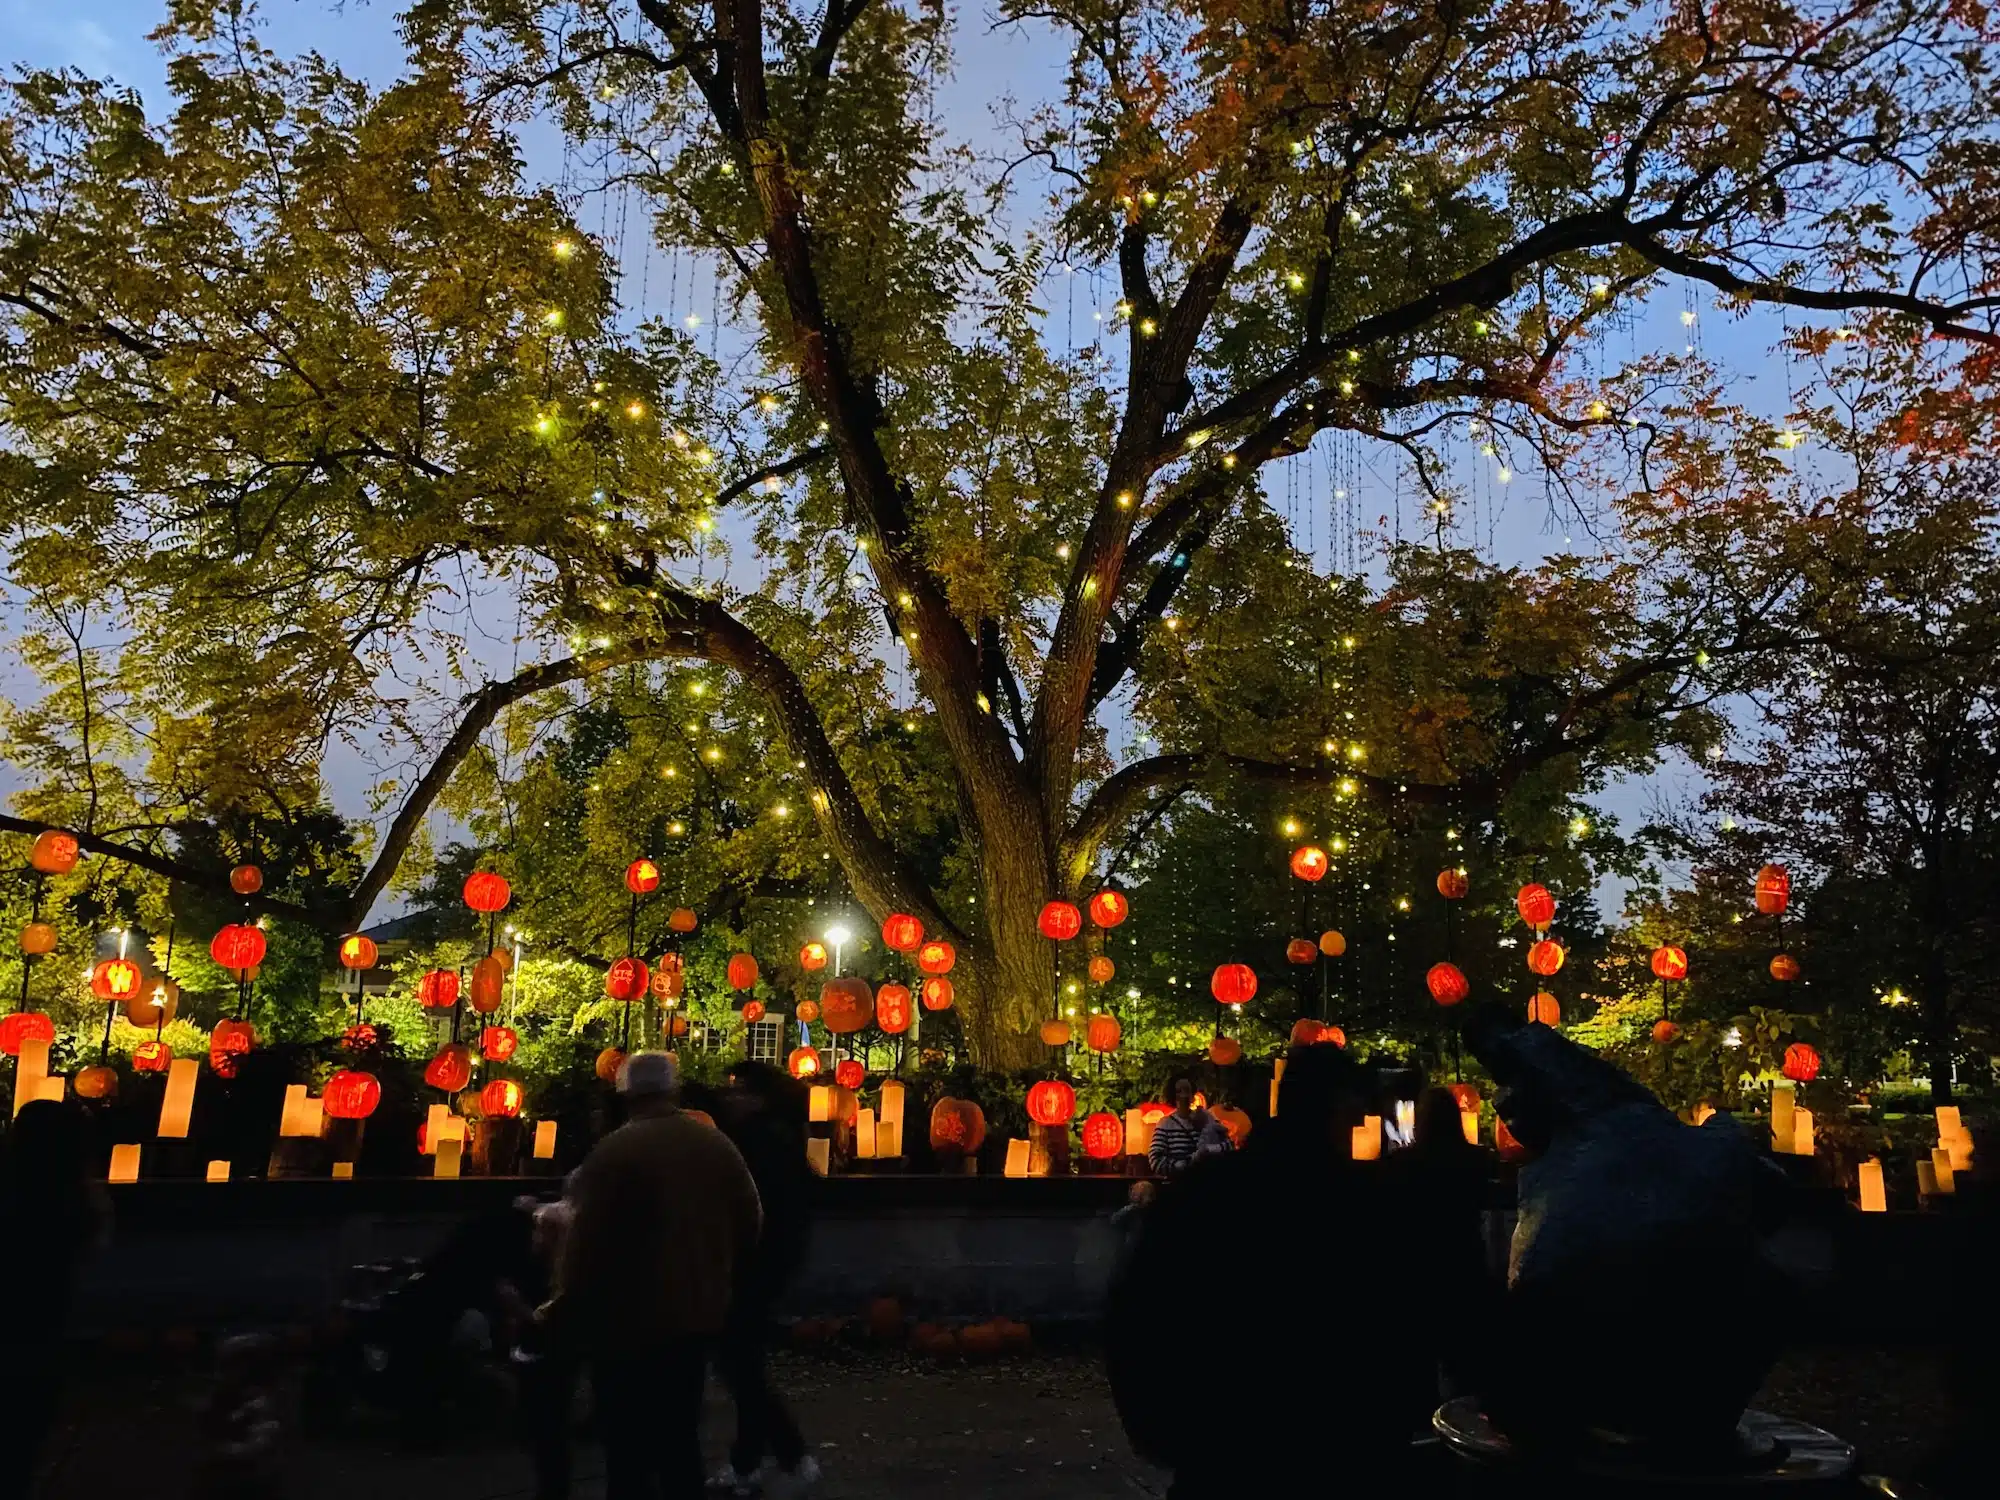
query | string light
(563,249)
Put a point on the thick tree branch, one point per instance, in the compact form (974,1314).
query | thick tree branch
(195,877)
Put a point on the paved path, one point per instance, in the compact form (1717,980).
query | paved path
(884,1426)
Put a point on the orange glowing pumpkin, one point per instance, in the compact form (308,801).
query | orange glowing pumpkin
(681,919)
(246,880)
(753,1012)
(804,1062)
(901,932)
(808,1011)
(893,1009)
(609,1061)
(642,877)
(1055,1033)
(500,1099)
(1301,951)
(849,1073)
(499,1043)
(1669,962)
(1665,1031)
(1784,968)
(1774,890)
(1544,1010)
(937,994)
(1101,969)
(743,971)
(486,892)
(38,938)
(1059,921)
(1309,863)
(358,952)
(1225,1051)
(1306,1032)
(1536,904)
(451,1069)
(24,1026)
(240,945)
(489,984)
(98,1082)
(1102,1033)
(1108,908)
(1447,984)
(152,1056)
(438,990)
(351,1095)
(1333,1036)
(1452,884)
(1051,1102)
(958,1126)
(1545,957)
(115,979)
(1103,1136)
(54,852)
(936,957)
(1801,1063)
(812,957)
(627,979)
(1233,984)
(1332,943)
(846,1004)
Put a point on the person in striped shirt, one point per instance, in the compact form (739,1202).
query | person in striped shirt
(1185,1136)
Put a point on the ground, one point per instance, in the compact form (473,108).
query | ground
(884,1426)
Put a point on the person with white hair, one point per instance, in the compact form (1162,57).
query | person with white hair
(664,1216)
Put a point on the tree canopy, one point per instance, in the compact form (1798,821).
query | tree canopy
(301,377)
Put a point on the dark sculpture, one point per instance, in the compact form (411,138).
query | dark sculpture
(1642,1314)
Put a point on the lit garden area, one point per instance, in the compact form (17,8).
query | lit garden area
(1021,582)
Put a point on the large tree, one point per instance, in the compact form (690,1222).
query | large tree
(300,370)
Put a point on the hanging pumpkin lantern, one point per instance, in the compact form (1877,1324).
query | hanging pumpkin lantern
(609,1061)
(38,938)
(154,1007)
(1544,1010)
(1332,943)
(152,1056)
(1233,984)
(115,979)
(957,1126)
(487,892)
(1333,1036)
(1670,962)
(1801,1063)
(1447,984)
(753,1012)
(849,1073)
(1108,908)
(500,1099)
(901,932)
(1309,863)
(1784,968)
(893,1009)
(499,1043)
(1301,951)
(803,1063)
(489,984)
(936,957)
(54,852)
(1051,1102)
(358,951)
(240,945)
(351,1095)
(1536,904)
(1055,1033)
(1306,1032)
(97,1082)
(1100,969)
(807,1012)
(1452,884)
(246,880)
(1059,921)
(742,971)
(1103,1136)
(1665,1031)
(937,994)
(1774,890)
(1465,1095)
(847,1004)
(681,919)
(812,957)
(1102,1033)
(359,1037)
(642,877)
(1225,1051)
(438,990)
(233,1038)
(451,1069)
(24,1026)
(1546,957)
(668,983)
(627,979)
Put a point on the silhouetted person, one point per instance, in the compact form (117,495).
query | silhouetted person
(51,1216)
(1619,1194)
(1186,1135)
(665,1220)
(1447,1179)
(1331,1378)
(764,1113)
